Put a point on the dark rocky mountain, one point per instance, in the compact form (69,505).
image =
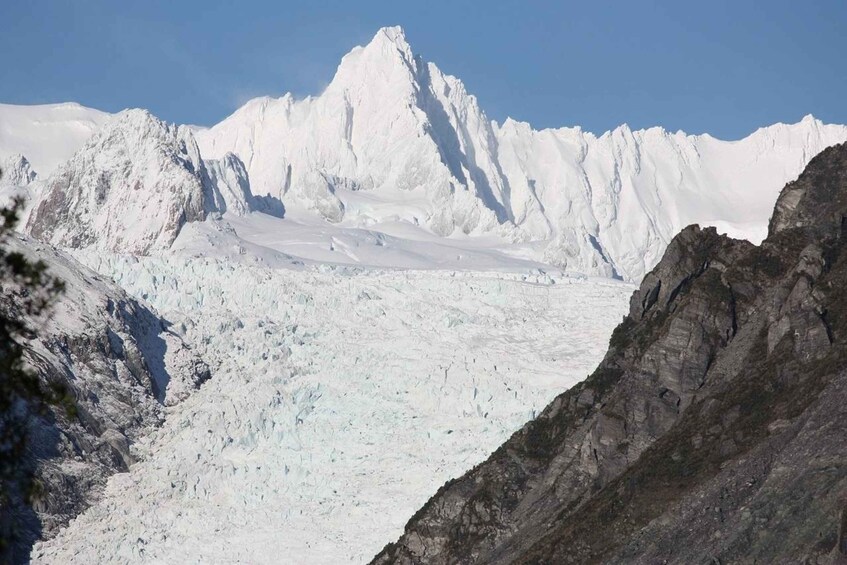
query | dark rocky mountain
(714,430)
(118,366)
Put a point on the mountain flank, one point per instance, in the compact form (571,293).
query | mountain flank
(118,366)
(712,432)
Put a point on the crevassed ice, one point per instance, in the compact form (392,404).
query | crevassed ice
(340,401)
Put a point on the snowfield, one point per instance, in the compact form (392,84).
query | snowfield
(341,399)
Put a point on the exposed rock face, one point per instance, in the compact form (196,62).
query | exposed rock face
(129,189)
(713,431)
(120,365)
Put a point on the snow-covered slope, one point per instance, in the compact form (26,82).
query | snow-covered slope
(47,134)
(630,192)
(341,400)
(393,138)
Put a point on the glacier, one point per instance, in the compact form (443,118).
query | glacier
(116,366)
(340,400)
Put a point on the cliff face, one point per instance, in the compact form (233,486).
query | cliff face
(713,429)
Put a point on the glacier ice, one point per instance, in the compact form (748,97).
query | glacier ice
(340,400)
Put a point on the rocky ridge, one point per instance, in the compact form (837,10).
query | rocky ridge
(133,186)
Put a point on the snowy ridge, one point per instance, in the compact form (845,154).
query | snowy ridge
(397,147)
(317,436)
(393,138)
(630,192)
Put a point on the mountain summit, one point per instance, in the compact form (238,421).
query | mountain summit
(388,125)
(130,188)
(392,138)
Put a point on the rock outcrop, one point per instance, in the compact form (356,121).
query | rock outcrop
(118,366)
(714,429)
(228,186)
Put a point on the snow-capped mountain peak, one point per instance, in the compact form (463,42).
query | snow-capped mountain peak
(394,145)
(394,139)
(388,123)
(386,53)
(130,188)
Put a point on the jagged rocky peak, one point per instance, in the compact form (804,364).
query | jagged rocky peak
(818,198)
(15,170)
(129,189)
(712,429)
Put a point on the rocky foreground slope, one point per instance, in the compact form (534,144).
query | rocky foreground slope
(714,429)
(118,366)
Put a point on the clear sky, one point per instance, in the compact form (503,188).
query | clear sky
(717,66)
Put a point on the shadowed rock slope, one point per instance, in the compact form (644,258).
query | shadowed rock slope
(118,365)
(714,431)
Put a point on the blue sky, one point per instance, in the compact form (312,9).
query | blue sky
(720,67)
